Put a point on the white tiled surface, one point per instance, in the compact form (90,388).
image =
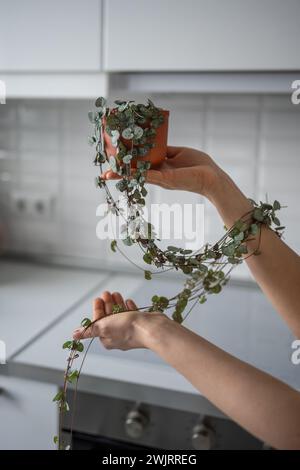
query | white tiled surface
(43,149)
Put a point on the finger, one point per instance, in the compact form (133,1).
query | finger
(84,333)
(98,309)
(118,300)
(173,151)
(110,175)
(131,305)
(164,178)
(108,301)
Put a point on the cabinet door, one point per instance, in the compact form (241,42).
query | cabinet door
(61,35)
(29,418)
(196,35)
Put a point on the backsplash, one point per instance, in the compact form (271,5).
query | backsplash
(45,161)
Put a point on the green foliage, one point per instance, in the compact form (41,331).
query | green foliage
(147,258)
(59,396)
(113,245)
(117,308)
(72,376)
(86,322)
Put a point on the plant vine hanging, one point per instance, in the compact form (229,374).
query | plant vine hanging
(125,138)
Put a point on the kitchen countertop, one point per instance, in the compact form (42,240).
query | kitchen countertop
(35,296)
(240,321)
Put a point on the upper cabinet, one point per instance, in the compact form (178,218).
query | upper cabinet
(55,36)
(202,35)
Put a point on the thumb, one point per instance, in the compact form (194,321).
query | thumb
(84,333)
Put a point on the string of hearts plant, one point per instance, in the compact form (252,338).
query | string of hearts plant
(130,138)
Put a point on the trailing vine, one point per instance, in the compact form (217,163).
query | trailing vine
(131,129)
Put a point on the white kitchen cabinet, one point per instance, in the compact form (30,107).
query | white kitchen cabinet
(29,418)
(201,35)
(61,35)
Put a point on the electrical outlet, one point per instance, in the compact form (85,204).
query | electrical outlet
(31,205)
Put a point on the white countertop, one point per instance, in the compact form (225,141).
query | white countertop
(33,296)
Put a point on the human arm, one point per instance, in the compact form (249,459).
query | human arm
(260,403)
(277,268)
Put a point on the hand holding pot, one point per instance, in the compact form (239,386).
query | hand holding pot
(192,170)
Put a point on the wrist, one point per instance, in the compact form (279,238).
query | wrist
(229,200)
(152,329)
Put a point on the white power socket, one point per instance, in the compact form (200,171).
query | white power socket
(27,204)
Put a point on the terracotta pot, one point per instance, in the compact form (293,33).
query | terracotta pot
(155,155)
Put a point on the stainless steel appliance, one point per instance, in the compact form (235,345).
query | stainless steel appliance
(109,423)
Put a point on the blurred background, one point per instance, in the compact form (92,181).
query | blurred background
(225,70)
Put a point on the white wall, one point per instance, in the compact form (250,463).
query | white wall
(44,152)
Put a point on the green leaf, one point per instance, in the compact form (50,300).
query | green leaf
(64,406)
(148,275)
(254,229)
(79,346)
(163,302)
(73,376)
(138,132)
(127,133)
(59,396)
(150,103)
(100,102)
(127,241)
(242,250)
(276,205)
(67,345)
(177,317)
(113,246)
(116,308)
(86,322)
(92,140)
(122,185)
(180,305)
(276,221)
(113,164)
(216,289)
(239,237)
(186,269)
(228,250)
(100,158)
(127,158)
(258,215)
(93,117)
(55,439)
(147,258)
(202,299)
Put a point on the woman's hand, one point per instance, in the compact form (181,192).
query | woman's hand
(126,330)
(184,168)
(192,170)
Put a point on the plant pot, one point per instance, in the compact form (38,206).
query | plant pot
(155,155)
